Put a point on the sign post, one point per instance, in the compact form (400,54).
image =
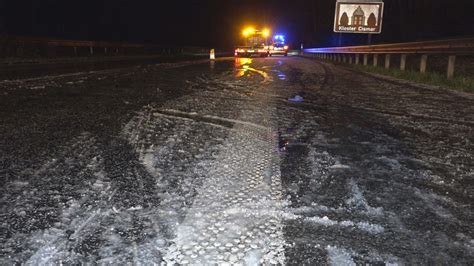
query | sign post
(358,17)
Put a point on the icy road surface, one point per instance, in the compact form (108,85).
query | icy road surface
(212,163)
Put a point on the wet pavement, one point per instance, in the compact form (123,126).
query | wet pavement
(283,161)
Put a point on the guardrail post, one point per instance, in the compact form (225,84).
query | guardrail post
(423,63)
(344,58)
(451,63)
(357,58)
(350,59)
(75,50)
(91,49)
(376,60)
(105,50)
(366,59)
(403,62)
(387,61)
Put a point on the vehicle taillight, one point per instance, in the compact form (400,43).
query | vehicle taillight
(286,47)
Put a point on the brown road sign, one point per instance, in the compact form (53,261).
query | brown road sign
(358,17)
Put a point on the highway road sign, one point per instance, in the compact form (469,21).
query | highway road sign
(358,17)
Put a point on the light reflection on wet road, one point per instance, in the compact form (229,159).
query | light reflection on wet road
(244,67)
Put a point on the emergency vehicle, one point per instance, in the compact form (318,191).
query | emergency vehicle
(278,46)
(256,43)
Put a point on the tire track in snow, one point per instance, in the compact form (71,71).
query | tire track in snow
(170,155)
(237,215)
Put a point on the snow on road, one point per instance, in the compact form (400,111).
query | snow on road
(364,173)
(212,164)
(235,216)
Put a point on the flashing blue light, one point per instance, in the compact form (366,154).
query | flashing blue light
(279,38)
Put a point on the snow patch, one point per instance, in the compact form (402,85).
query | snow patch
(37,87)
(325,221)
(339,256)
(358,200)
(431,200)
(370,228)
(340,166)
(322,221)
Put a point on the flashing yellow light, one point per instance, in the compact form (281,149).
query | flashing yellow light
(266,33)
(248,31)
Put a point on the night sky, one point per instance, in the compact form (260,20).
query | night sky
(218,23)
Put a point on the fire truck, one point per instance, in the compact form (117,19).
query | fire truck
(255,43)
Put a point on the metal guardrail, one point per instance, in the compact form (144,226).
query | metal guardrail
(456,46)
(16,46)
(350,54)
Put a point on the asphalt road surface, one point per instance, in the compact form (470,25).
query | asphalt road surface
(282,161)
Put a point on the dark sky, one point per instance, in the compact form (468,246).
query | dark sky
(218,23)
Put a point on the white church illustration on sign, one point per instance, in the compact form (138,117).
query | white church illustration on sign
(358,17)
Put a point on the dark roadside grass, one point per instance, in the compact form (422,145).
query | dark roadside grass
(436,76)
(461,83)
